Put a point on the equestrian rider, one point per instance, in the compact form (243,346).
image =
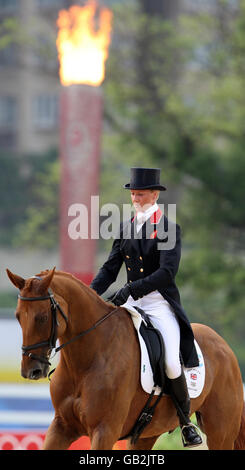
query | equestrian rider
(151,285)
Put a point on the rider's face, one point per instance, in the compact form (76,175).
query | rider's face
(142,199)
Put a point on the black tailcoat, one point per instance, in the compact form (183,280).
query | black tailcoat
(150,268)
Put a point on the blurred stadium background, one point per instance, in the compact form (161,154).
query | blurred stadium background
(173,98)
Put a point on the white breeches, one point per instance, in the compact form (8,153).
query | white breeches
(163,318)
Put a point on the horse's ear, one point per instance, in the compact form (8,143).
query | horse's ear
(18,281)
(46,281)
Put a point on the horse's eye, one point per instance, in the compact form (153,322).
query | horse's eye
(41,318)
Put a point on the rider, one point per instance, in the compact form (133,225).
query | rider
(151,286)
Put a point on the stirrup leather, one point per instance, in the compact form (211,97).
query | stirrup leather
(186,444)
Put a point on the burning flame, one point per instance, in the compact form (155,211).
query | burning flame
(83,50)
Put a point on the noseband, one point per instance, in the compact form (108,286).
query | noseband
(51,341)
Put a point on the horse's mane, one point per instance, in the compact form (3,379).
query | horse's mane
(81,284)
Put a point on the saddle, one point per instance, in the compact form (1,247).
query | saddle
(156,350)
(154,345)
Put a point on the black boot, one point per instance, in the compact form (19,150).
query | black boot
(180,396)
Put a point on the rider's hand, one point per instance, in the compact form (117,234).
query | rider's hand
(121,296)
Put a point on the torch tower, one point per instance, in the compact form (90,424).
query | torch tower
(83,50)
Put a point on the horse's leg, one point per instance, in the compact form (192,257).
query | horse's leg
(58,436)
(103,437)
(106,433)
(220,424)
(142,443)
(215,441)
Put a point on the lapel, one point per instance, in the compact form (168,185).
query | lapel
(130,238)
(148,231)
(149,228)
(154,220)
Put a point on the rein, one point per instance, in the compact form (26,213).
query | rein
(83,333)
(53,335)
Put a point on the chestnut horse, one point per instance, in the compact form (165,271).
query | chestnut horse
(96,388)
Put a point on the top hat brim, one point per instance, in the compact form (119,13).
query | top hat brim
(160,187)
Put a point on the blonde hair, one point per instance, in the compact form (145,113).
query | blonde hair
(156,191)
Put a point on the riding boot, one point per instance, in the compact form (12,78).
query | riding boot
(180,396)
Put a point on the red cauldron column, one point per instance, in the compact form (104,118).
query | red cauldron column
(82,43)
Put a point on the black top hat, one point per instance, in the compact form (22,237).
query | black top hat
(145,178)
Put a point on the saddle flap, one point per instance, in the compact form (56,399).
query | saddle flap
(155,347)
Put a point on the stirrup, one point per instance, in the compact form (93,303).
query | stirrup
(186,444)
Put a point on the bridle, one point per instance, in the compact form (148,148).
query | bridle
(51,341)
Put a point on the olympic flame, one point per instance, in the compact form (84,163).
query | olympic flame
(83,48)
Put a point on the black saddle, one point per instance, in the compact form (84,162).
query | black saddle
(155,347)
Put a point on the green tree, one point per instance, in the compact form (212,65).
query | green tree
(29,199)
(175,95)
(41,227)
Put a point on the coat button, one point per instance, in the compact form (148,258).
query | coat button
(127,256)
(141,270)
(141,259)
(129,269)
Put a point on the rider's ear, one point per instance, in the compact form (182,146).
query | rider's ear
(44,284)
(18,281)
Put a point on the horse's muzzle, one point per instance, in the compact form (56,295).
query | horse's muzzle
(34,370)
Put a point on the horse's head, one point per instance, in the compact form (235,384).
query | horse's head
(35,316)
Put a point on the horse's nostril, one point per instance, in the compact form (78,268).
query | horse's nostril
(35,374)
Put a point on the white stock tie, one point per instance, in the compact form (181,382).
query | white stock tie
(141,218)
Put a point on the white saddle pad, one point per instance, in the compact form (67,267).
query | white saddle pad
(195,376)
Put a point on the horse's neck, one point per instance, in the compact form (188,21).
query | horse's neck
(84,309)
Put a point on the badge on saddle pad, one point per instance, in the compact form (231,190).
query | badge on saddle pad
(195,376)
